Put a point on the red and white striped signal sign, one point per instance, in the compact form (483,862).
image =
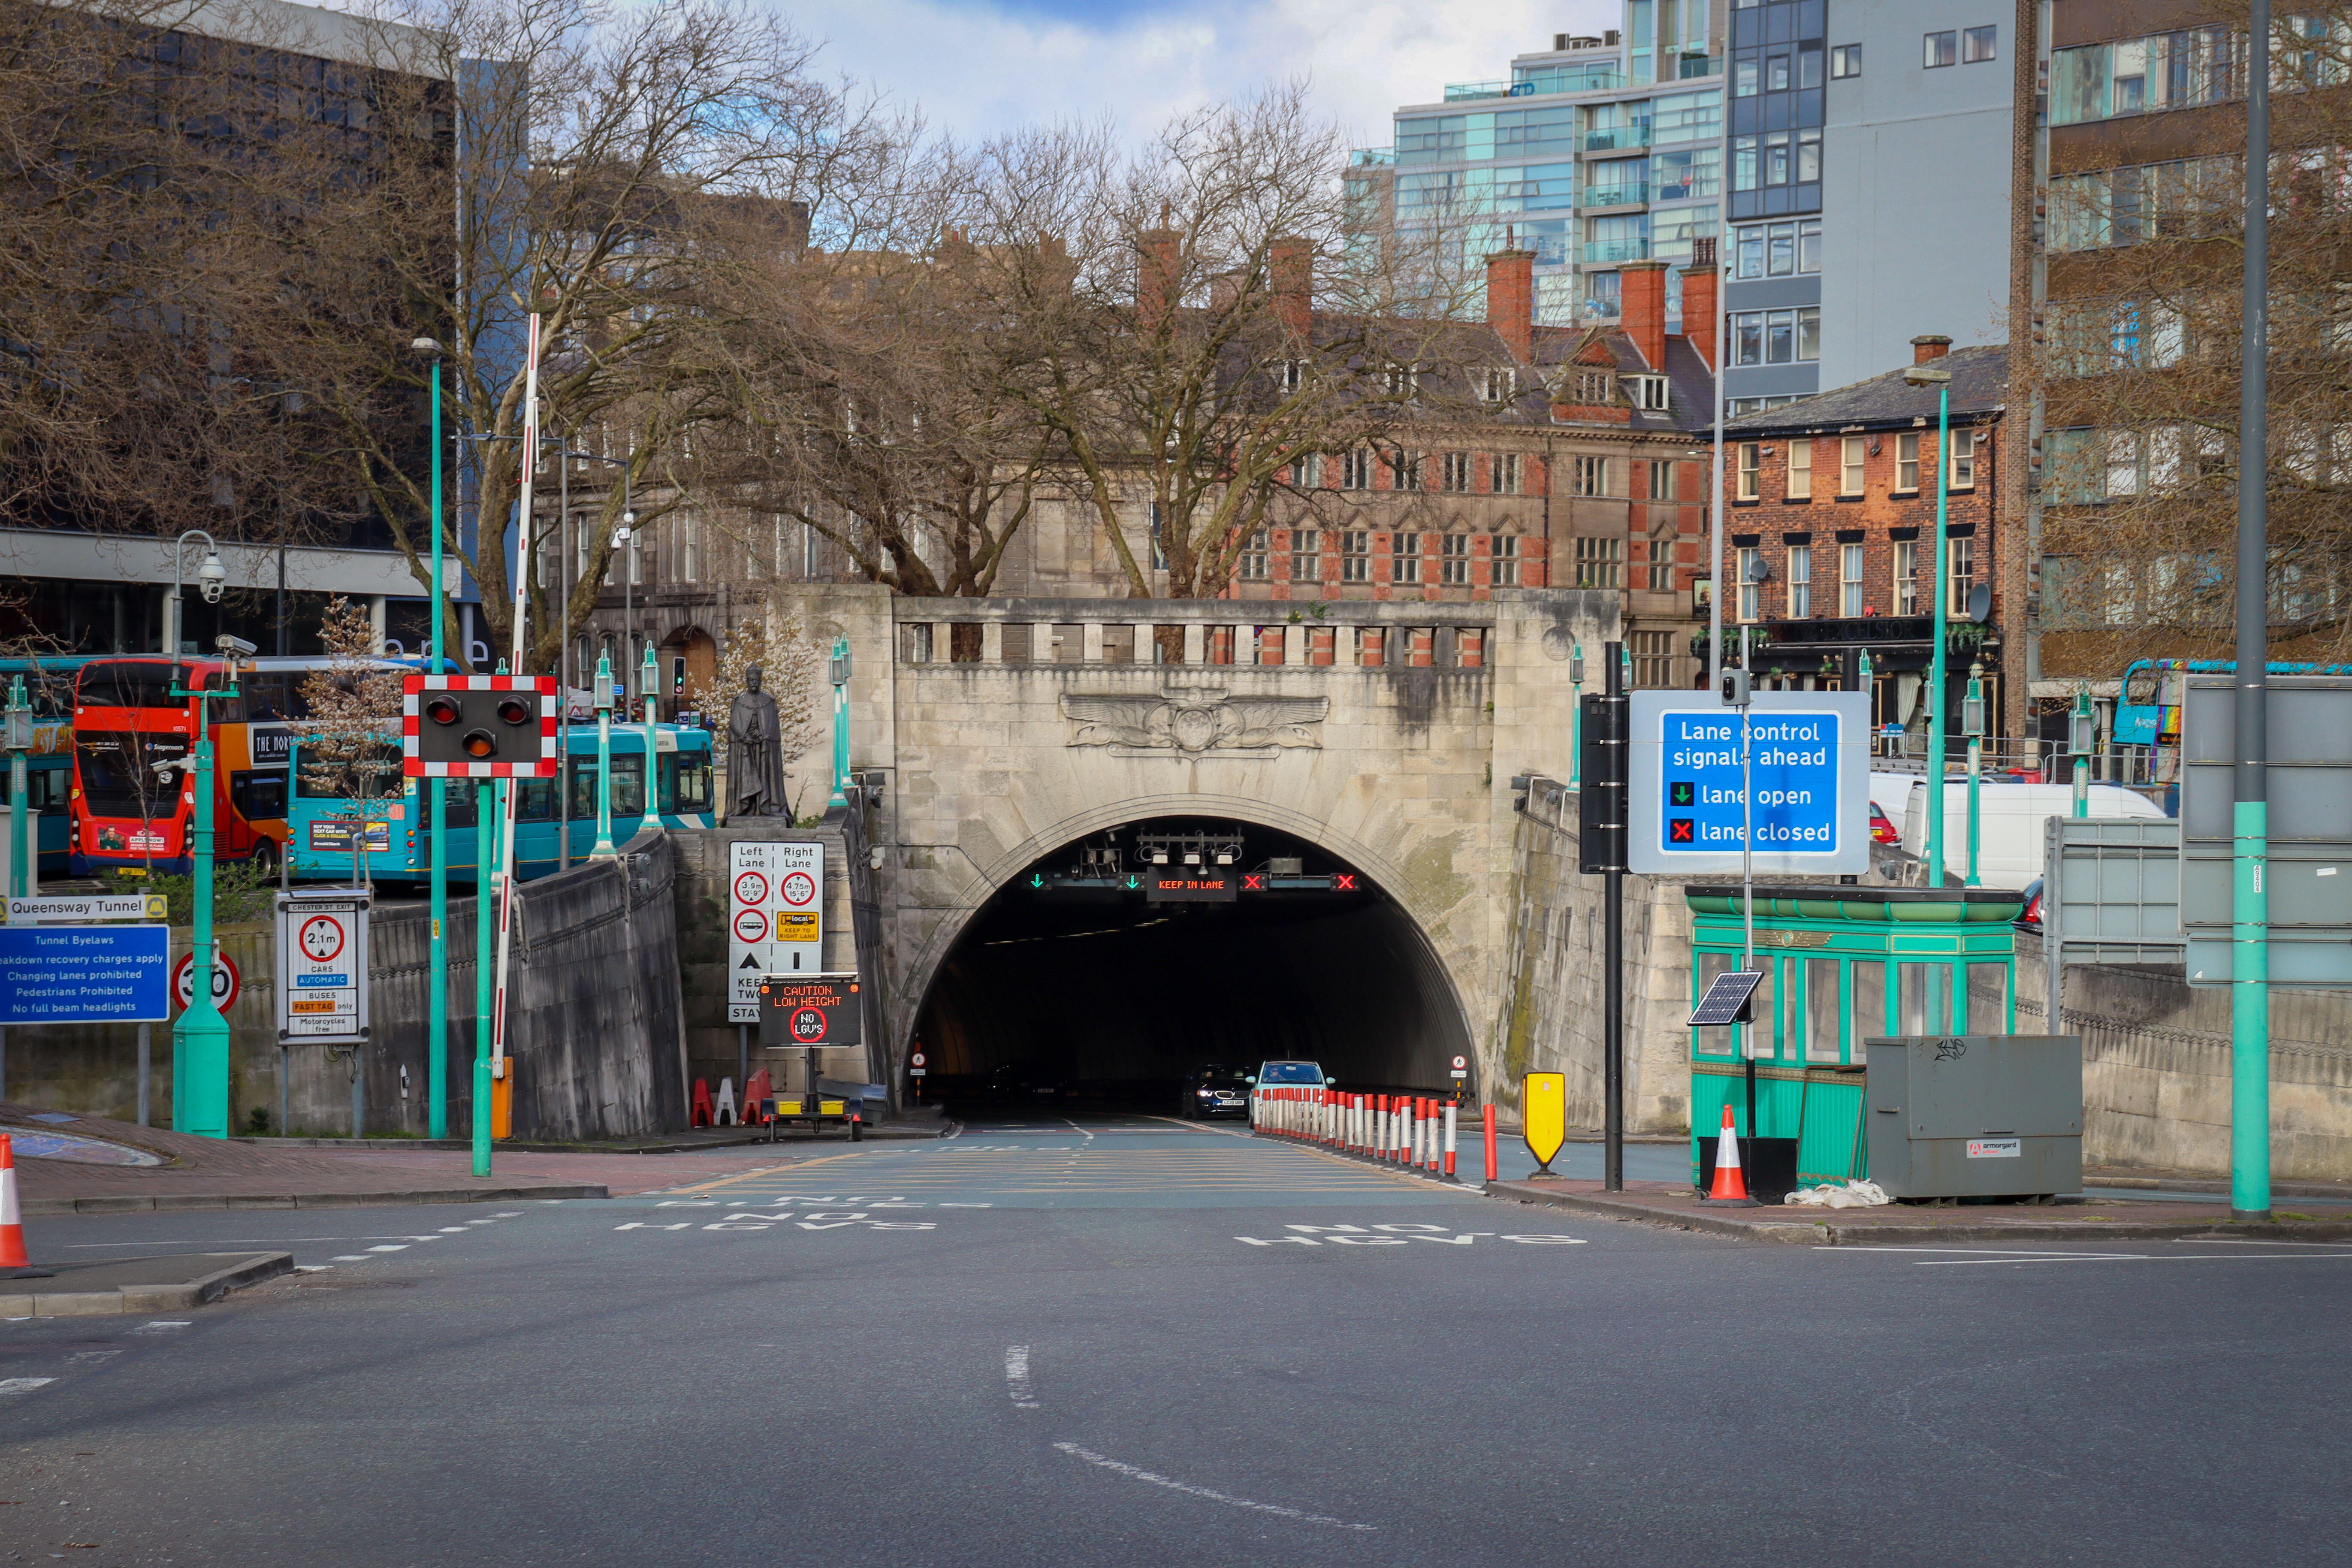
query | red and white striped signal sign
(478,726)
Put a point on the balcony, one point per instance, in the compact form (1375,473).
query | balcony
(1687,190)
(1621,196)
(1547,82)
(1691,68)
(1373,158)
(1618,138)
(1604,252)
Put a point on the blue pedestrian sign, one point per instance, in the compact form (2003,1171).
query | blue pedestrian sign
(1807,754)
(85,975)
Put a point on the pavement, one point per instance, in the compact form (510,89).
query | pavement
(1123,1341)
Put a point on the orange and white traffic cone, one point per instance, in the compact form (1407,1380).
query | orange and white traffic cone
(1730,1182)
(15,1262)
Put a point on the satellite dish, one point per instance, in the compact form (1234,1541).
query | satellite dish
(1980,603)
(1760,569)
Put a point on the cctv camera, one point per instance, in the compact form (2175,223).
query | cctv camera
(235,647)
(211,591)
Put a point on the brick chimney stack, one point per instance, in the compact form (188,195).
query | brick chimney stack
(1511,301)
(1643,310)
(1930,346)
(1159,272)
(1293,265)
(1702,305)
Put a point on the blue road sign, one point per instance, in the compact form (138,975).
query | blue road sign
(1809,758)
(85,975)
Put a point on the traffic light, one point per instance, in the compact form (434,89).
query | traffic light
(479,726)
(1601,782)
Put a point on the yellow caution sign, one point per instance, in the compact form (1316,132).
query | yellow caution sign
(1543,1114)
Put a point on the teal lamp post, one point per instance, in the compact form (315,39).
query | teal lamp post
(649,676)
(1972,720)
(1576,716)
(16,736)
(200,1038)
(604,850)
(840,674)
(436,1027)
(1941,380)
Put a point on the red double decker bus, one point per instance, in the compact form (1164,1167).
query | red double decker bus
(127,815)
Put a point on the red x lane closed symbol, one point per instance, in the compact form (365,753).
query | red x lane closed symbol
(1252,882)
(1345,882)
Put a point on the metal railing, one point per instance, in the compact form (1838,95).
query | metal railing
(1617,138)
(1615,195)
(1607,250)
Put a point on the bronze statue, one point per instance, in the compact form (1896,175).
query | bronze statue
(755,757)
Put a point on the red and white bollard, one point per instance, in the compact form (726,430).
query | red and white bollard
(1450,1109)
(1494,1172)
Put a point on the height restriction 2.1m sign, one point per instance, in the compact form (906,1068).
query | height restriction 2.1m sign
(774,921)
(1808,755)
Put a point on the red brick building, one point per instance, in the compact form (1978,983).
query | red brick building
(1829,534)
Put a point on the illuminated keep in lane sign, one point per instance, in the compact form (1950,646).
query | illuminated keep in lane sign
(1809,762)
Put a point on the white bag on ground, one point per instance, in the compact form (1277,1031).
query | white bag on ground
(1829,1196)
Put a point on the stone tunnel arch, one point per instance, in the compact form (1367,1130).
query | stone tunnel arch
(1122,997)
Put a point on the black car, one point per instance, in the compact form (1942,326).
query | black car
(1214,1089)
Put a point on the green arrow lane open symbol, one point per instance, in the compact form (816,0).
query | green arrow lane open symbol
(1036,881)
(1680,792)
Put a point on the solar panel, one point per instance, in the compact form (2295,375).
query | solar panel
(1726,999)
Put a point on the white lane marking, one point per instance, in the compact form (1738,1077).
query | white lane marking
(453,1230)
(157,1325)
(314,1268)
(1082,1131)
(1220,1132)
(1136,1473)
(352,1257)
(1016,1377)
(24,1385)
(402,1248)
(507,1213)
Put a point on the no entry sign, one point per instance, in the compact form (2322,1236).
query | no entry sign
(824,1011)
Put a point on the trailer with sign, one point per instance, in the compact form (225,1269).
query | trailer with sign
(816,1015)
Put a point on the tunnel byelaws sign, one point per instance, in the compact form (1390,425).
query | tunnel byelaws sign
(823,1011)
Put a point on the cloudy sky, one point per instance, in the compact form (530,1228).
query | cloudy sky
(980,65)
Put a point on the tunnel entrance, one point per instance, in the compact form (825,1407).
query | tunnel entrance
(1110,969)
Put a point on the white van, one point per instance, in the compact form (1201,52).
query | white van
(2009,824)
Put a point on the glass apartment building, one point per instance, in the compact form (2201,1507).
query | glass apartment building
(1597,151)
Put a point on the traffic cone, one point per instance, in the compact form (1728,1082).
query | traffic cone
(1730,1184)
(16,1263)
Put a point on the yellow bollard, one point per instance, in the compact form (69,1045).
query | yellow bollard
(1543,1116)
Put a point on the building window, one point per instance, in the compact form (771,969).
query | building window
(1404,562)
(1845,60)
(1777,249)
(1801,469)
(1254,556)
(1907,461)
(1589,477)
(1505,469)
(1977,44)
(1801,581)
(1751,471)
(1849,579)
(1306,555)
(1964,460)
(1402,379)
(1599,562)
(1456,471)
(1294,375)
(1304,470)
(1592,386)
(1505,560)
(1749,564)
(1849,466)
(1355,557)
(1499,385)
(1404,471)
(1649,391)
(1653,658)
(1453,560)
(1907,576)
(1961,559)
(1940,49)
(1777,337)
(1661,559)
(1356,469)
(1661,479)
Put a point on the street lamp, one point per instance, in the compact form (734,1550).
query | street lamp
(1972,720)
(199,1055)
(1941,380)
(840,674)
(603,849)
(648,676)
(436,1063)
(2081,739)
(1576,716)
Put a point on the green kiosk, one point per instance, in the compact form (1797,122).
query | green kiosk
(1840,965)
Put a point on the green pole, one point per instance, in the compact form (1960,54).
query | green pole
(199,1038)
(651,680)
(840,672)
(1576,716)
(2250,909)
(1936,661)
(1972,719)
(21,848)
(2082,736)
(484,817)
(604,850)
(436,1063)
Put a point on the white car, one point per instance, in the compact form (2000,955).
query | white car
(2010,835)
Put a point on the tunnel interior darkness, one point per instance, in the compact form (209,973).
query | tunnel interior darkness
(1070,977)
